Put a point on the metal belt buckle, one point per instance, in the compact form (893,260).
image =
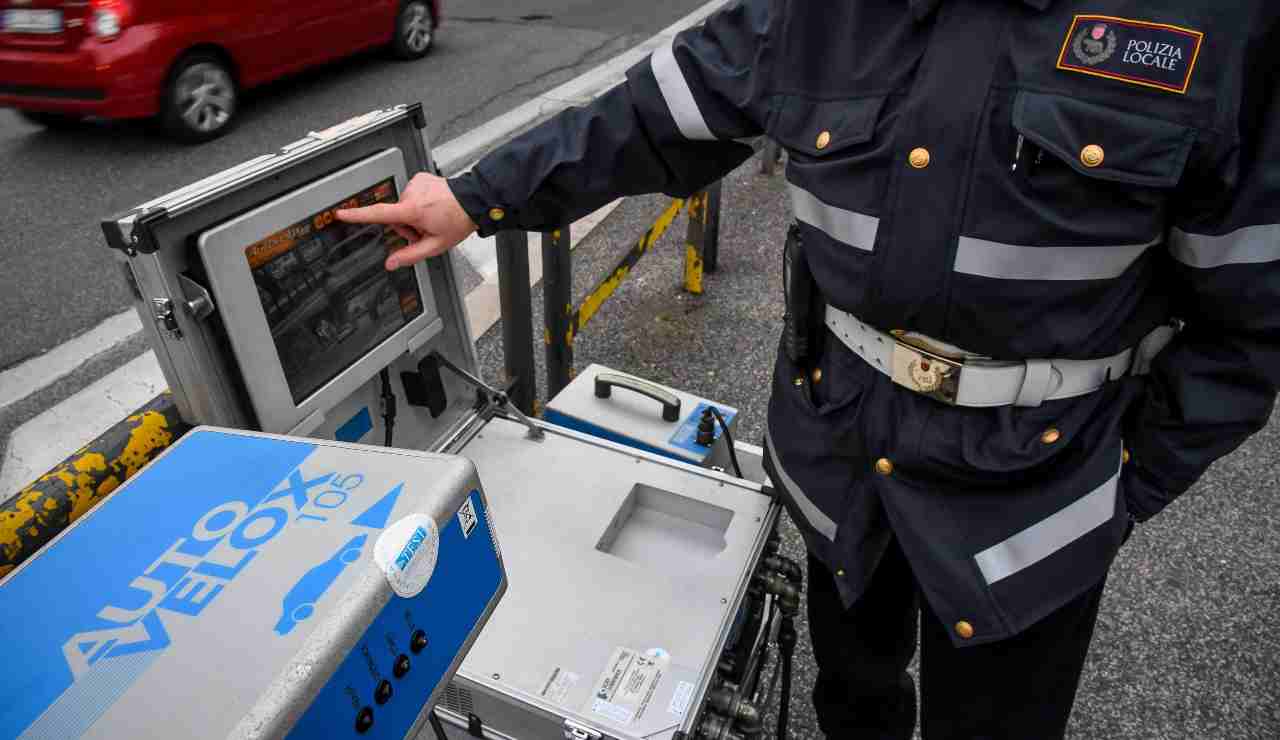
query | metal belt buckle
(926,373)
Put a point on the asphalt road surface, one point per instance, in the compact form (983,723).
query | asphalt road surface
(56,278)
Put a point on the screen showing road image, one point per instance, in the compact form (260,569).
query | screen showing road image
(327,298)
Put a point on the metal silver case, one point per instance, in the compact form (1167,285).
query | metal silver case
(156,245)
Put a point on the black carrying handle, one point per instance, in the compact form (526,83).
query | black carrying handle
(606,382)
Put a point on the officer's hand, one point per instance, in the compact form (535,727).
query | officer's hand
(427,215)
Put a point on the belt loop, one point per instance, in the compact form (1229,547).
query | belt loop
(1035,384)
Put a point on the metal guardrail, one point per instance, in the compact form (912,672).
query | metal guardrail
(562,321)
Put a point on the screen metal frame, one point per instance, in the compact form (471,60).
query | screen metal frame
(222,249)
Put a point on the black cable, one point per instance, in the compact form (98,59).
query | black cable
(435,725)
(787,646)
(388,407)
(728,438)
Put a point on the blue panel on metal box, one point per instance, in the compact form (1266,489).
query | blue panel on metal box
(182,603)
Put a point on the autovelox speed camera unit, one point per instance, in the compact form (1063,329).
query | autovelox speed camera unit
(245,585)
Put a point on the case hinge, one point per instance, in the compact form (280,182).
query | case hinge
(575,731)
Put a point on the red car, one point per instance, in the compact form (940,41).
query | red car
(185,62)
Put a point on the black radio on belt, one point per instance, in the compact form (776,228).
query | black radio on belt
(803,319)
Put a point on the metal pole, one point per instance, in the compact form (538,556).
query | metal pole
(711,237)
(517,319)
(693,243)
(557,314)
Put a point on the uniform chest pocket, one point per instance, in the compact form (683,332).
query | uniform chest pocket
(1065,172)
(1103,143)
(816,130)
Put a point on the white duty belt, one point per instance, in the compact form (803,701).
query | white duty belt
(957,378)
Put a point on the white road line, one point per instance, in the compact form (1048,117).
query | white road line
(36,446)
(31,376)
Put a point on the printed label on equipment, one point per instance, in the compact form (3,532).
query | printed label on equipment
(627,684)
(467,516)
(406,552)
(558,685)
(680,699)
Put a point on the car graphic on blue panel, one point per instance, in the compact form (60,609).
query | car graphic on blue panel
(300,602)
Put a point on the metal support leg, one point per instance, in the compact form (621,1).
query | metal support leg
(517,323)
(693,243)
(557,281)
(711,237)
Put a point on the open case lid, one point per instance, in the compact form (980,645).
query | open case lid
(158,241)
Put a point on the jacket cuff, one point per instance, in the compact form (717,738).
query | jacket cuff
(489,215)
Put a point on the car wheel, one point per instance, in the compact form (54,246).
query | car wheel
(56,121)
(415,30)
(200,100)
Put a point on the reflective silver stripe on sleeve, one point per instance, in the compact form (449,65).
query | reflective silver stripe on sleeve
(675,90)
(1247,246)
(1013,262)
(847,227)
(1040,540)
(812,513)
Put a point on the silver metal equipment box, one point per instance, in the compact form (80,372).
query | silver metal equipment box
(628,571)
(239,587)
(644,586)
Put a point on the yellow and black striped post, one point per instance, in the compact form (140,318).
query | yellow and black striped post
(58,498)
(693,243)
(557,305)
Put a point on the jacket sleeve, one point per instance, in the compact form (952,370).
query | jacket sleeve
(1215,384)
(671,127)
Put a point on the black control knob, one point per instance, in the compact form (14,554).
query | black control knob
(364,720)
(401,667)
(382,694)
(418,641)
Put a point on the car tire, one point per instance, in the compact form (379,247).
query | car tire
(53,121)
(201,99)
(415,32)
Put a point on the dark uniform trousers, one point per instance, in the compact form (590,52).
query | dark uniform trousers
(1022,687)
(1037,182)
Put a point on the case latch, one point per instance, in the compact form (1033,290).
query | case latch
(162,312)
(575,731)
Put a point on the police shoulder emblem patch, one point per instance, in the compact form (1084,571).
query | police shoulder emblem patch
(1138,52)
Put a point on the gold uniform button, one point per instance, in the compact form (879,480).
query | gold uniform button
(1124,456)
(840,573)
(824,139)
(799,381)
(1050,436)
(964,630)
(919,158)
(817,375)
(497,214)
(1092,155)
(884,467)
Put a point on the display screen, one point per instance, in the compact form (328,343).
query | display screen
(325,292)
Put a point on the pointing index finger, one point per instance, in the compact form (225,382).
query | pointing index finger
(378,213)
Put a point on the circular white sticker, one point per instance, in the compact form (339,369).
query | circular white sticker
(406,552)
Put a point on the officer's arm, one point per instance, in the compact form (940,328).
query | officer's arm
(671,127)
(1215,385)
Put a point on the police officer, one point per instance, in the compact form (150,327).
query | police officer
(1006,206)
